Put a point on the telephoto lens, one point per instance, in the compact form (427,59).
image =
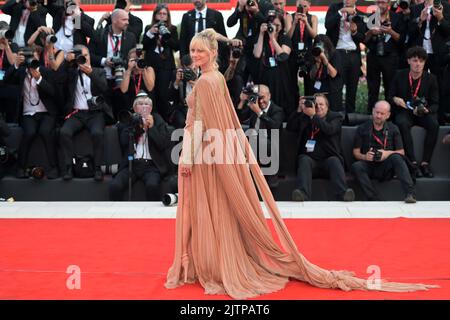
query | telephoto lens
(170,199)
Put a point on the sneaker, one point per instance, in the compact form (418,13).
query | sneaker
(98,175)
(298,195)
(410,198)
(68,175)
(426,170)
(349,195)
(52,173)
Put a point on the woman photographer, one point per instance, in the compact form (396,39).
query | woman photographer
(160,42)
(302,33)
(325,73)
(272,49)
(139,76)
(45,38)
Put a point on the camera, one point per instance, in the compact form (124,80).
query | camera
(317,48)
(236,52)
(419,104)
(79,58)
(309,101)
(271,14)
(354,18)
(95,103)
(303,67)
(139,49)
(170,199)
(133,121)
(163,31)
(141,64)
(118,69)
(4,154)
(377,154)
(250,3)
(437,4)
(189,74)
(380,45)
(300,9)
(252,93)
(404,4)
(50,38)
(6,34)
(30,60)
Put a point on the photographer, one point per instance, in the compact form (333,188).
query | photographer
(8,93)
(383,42)
(279,6)
(37,107)
(85,107)
(179,89)
(378,149)
(109,49)
(71,24)
(138,77)
(326,72)
(318,147)
(346,30)
(302,33)
(258,110)
(45,38)
(150,137)
(160,42)
(273,48)
(26,17)
(235,73)
(415,96)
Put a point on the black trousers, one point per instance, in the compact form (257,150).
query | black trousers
(94,121)
(162,83)
(351,65)
(8,102)
(394,165)
(376,67)
(116,99)
(331,167)
(405,120)
(40,124)
(144,170)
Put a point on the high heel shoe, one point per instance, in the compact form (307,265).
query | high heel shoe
(185,266)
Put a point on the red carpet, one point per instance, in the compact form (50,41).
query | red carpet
(128,259)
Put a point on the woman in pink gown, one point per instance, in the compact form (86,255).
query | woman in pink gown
(222,238)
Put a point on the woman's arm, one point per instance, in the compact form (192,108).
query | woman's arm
(55,62)
(258,48)
(149,78)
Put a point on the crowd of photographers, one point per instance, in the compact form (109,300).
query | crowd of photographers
(76,75)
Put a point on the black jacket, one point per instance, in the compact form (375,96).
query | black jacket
(214,19)
(159,139)
(439,33)
(428,89)
(98,45)
(35,20)
(273,119)
(333,21)
(99,86)
(79,35)
(329,136)
(46,88)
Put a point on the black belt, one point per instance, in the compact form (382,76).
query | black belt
(348,51)
(143,160)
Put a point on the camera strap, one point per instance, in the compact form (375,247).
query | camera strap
(378,140)
(272,48)
(80,75)
(319,72)
(416,91)
(314,130)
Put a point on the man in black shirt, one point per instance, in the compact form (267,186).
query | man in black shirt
(408,87)
(318,148)
(379,150)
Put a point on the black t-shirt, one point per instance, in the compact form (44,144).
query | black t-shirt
(367,137)
(320,152)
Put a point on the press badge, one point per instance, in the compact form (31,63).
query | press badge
(317,85)
(310,144)
(2,75)
(272,62)
(301,46)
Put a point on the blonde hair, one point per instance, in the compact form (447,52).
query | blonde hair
(207,39)
(142,98)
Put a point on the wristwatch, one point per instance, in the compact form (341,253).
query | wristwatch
(260,114)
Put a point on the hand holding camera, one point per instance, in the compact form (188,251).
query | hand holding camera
(437,10)
(263,28)
(252,6)
(35,74)
(148,122)
(85,68)
(308,106)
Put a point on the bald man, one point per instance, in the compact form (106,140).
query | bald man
(378,149)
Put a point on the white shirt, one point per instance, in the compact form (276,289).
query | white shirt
(197,16)
(32,104)
(345,40)
(158,50)
(142,150)
(427,35)
(82,94)
(258,121)
(65,36)
(110,53)
(20,32)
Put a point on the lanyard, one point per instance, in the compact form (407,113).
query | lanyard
(115,48)
(30,79)
(302,30)
(138,86)
(272,48)
(314,131)
(319,72)
(1,59)
(414,92)
(378,140)
(46,62)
